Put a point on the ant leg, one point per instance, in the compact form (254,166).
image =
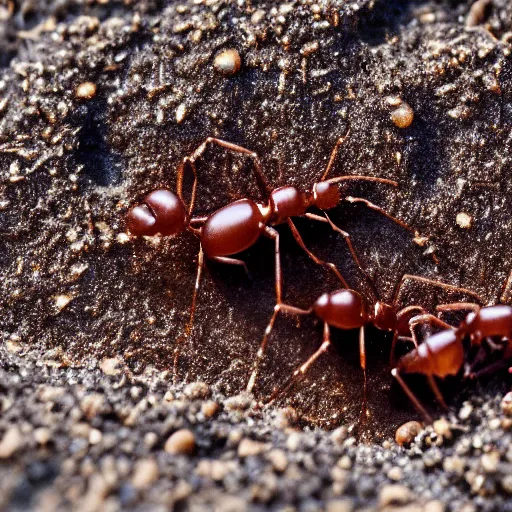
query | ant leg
(427,317)
(458,306)
(411,395)
(350,246)
(362,357)
(272,233)
(334,154)
(285,308)
(318,261)
(232,261)
(258,169)
(190,324)
(396,333)
(301,371)
(179,182)
(437,391)
(376,208)
(433,282)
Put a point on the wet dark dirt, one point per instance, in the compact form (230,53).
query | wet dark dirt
(76,289)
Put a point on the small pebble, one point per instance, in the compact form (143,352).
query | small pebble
(197,391)
(406,433)
(228,62)
(210,409)
(42,436)
(464,220)
(466,411)
(182,442)
(395,474)
(145,473)
(110,366)
(278,460)
(403,116)
(10,443)
(86,91)
(341,505)
(490,461)
(95,436)
(442,428)
(506,483)
(248,448)
(506,404)
(394,495)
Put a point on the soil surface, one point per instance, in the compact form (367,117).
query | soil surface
(100,101)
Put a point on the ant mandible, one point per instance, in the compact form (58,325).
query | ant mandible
(346,310)
(442,354)
(238,225)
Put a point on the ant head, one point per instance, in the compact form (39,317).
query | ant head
(162,212)
(384,316)
(326,195)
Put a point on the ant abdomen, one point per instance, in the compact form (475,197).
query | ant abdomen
(162,212)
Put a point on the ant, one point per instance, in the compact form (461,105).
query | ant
(442,354)
(346,310)
(238,225)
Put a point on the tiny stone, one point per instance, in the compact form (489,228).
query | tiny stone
(506,483)
(228,62)
(403,116)
(339,435)
(95,436)
(110,366)
(454,465)
(406,433)
(435,506)
(210,409)
(278,460)
(249,448)
(150,440)
(196,391)
(506,404)
(395,474)
(345,462)
(442,428)
(238,403)
(92,405)
(341,505)
(490,461)
(145,473)
(86,91)
(394,495)
(465,411)
(182,442)
(10,443)
(464,220)
(42,435)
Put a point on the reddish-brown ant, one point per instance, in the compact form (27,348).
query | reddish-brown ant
(346,310)
(238,225)
(442,354)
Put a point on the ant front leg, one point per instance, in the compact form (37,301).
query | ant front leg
(383,212)
(350,246)
(279,307)
(412,397)
(191,160)
(318,261)
(188,329)
(304,367)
